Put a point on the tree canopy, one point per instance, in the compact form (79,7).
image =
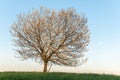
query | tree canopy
(50,36)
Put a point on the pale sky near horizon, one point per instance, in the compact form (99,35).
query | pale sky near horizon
(103,21)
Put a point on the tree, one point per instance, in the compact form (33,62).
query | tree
(49,36)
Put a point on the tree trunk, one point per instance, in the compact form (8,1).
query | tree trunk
(45,66)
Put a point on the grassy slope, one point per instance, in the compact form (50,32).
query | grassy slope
(54,76)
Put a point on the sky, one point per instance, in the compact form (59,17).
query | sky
(103,22)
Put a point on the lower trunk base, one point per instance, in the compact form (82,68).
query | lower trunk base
(45,67)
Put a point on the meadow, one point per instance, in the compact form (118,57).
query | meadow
(54,76)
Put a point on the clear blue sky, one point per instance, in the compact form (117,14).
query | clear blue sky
(103,21)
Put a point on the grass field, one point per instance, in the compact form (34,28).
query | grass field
(54,76)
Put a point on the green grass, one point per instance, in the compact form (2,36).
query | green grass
(54,76)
